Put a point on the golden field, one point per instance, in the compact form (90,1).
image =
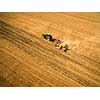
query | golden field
(26,59)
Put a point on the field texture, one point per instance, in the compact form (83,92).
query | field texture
(26,59)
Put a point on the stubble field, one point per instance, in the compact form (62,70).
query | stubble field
(26,59)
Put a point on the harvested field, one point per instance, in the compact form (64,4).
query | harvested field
(26,59)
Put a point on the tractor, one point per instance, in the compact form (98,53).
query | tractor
(60,44)
(47,36)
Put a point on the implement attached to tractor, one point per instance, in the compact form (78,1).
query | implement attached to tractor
(47,36)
